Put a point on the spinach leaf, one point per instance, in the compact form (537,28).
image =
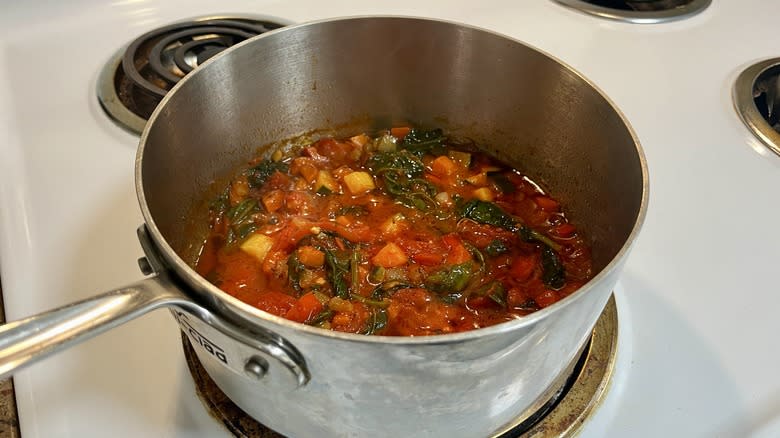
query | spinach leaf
(294,270)
(453,278)
(485,212)
(496,247)
(241,223)
(321,317)
(401,163)
(553,274)
(387,288)
(352,210)
(401,173)
(502,182)
(529,235)
(258,175)
(421,142)
(376,322)
(338,270)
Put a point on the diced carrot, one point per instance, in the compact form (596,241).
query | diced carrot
(273,200)
(457,251)
(304,167)
(390,256)
(564,230)
(305,308)
(311,256)
(400,132)
(434,179)
(546,204)
(443,166)
(522,267)
(427,258)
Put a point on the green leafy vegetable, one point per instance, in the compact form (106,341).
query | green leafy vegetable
(387,288)
(421,142)
(502,182)
(241,223)
(258,175)
(321,317)
(294,270)
(376,322)
(496,247)
(352,210)
(453,278)
(553,274)
(401,173)
(489,213)
(338,270)
(484,212)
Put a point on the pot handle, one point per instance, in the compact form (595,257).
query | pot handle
(29,340)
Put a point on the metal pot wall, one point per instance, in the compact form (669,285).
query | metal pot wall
(352,75)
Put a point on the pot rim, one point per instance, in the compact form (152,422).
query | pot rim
(248,311)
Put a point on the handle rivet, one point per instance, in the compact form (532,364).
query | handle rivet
(146,268)
(256,367)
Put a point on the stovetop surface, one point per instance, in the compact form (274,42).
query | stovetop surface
(698,300)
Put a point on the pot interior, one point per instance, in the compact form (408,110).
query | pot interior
(362,74)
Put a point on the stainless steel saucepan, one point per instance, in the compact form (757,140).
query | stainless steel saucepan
(361,74)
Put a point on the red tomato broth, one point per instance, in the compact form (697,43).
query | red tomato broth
(327,238)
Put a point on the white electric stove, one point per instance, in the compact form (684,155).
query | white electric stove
(698,303)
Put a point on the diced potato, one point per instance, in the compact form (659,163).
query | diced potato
(443,166)
(343,220)
(360,140)
(311,256)
(393,225)
(390,256)
(385,143)
(443,198)
(238,191)
(325,183)
(479,179)
(340,305)
(462,158)
(483,194)
(257,245)
(359,182)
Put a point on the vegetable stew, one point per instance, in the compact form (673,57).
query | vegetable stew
(407,232)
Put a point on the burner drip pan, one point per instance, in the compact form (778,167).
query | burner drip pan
(639,11)
(561,416)
(136,78)
(756,95)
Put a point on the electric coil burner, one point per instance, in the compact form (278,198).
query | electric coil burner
(639,11)
(561,416)
(136,79)
(756,96)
